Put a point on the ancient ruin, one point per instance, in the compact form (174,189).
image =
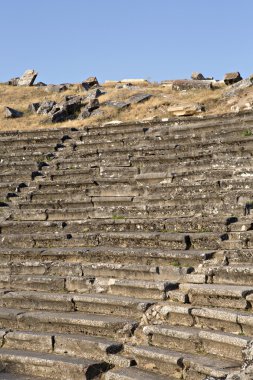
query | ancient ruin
(126,246)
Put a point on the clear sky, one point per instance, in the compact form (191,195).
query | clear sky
(69,40)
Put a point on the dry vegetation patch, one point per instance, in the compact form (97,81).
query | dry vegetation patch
(162,98)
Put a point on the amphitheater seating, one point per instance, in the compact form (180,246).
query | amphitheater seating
(126,250)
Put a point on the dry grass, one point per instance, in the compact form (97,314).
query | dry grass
(20,97)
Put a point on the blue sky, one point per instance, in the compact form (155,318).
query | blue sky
(68,40)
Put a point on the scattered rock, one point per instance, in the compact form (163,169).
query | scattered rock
(231,78)
(72,105)
(116,104)
(59,116)
(89,83)
(97,112)
(33,107)
(56,88)
(95,93)
(13,81)
(46,107)
(248,106)
(181,85)
(84,114)
(40,84)
(186,110)
(237,87)
(28,78)
(86,111)
(139,98)
(10,113)
(197,76)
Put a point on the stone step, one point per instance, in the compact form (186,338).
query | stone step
(34,148)
(144,256)
(24,166)
(89,190)
(207,318)
(67,322)
(35,282)
(133,211)
(232,274)
(140,272)
(100,270)
(216,295)
(89,303)
(134,373)
(81,346)
(180,224)
(49,365)
(119,160)
(15,376)
(195,340)
(177,363)
(142,289)
(80,203)
(238,256)
(120,239)
(28,140)
(111,304)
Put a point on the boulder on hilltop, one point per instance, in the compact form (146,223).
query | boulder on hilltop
(28,78)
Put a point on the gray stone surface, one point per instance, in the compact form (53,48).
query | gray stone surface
(184,85)
(139,98)
(56,88)
(117,104)
(45,107)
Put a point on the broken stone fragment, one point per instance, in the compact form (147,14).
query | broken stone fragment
(28,78)
(92,104)
(33,107)
(40,84)
(186,110)
(10,113)
(84,114)
(89,83)
(94,93)
(237,87)
(197,76)
(46,107)
(118,105)
(231,78)
(139,98)
(59,116)
(72,105)
(86,111)
(13,81)
(97,112)
(56,88)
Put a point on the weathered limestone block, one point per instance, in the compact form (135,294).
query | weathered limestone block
(10,113)
(28,78)
(197,76)
(181,85)
(231,78)
(186,110)
(56,88)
